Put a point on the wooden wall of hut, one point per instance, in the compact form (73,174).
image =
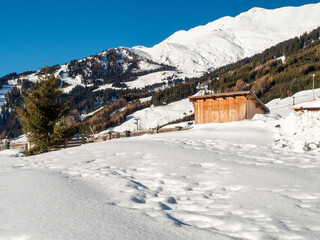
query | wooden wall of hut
(225,109)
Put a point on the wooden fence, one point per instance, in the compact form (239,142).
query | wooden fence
(3,146)
(23,146)
(73,142)
(114,135)
(78,141)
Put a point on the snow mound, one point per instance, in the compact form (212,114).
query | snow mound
(299,132)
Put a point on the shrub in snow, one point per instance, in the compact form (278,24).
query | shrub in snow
(299,132)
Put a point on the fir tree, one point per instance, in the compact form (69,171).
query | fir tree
(42,117)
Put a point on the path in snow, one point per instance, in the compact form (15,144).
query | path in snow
(226,179)
(48,205)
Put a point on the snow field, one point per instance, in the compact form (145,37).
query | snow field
(38,204)
(226,180)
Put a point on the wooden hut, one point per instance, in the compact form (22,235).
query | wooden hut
(226,107)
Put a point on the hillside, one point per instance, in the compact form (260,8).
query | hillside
(188,53)
(279,71)
(100,79)
(206,183)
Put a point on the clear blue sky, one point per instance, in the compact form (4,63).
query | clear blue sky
(59,31)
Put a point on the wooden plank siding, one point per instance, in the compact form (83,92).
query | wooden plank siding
(253,107)
(226,107)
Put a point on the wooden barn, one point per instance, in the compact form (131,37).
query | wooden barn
(226,107)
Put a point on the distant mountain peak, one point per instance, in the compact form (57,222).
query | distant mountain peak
(228,39)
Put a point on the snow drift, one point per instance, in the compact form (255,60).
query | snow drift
(299,132)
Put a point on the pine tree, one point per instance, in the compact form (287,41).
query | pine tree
(42,117)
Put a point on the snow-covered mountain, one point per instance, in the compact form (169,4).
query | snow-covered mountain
(190,53)
(230,39)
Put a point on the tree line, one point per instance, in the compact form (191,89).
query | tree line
(266,74)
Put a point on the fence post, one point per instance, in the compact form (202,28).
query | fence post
(66,143)
(109,136)
(6,144)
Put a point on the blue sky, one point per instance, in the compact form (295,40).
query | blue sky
(32,32)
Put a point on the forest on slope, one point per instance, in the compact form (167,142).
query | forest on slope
(278,72)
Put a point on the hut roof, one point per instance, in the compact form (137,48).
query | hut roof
(232,94)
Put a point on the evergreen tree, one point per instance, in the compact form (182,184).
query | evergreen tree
(42,117)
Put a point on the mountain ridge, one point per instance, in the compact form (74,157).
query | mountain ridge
(100,79)
(229,39)
(193,52)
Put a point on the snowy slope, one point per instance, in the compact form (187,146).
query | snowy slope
(210,182)
(230,39)
(153,117)
(284,106)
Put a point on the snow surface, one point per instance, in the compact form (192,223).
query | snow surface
(216,181)
(153,117)
(146,99)
(158,77)
(310,104)
(299,132)
(83,116)
(145,66)
(152,78)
